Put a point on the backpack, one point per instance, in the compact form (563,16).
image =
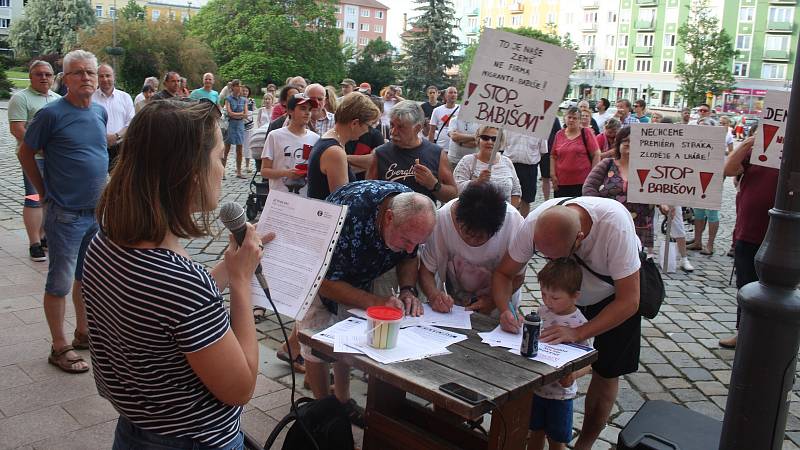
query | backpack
(325,419)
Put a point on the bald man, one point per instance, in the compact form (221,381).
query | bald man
(600,233)
(207,90)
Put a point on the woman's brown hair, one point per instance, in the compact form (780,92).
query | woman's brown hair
(160,179)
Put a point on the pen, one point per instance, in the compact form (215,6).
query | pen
(511,307)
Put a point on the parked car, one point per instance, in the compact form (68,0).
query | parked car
(568,103)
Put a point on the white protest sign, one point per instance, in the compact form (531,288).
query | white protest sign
(516,83)
(676,164)
(768,146)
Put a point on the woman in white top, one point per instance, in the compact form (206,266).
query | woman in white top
(477,166)
(265,112)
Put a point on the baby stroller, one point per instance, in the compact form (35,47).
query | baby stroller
(259,187)
(688,219)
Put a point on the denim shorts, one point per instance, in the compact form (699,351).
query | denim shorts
(552,416)
(700,215)
(130,437)
(68,235)
(29,189)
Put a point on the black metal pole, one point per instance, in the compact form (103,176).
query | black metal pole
(769,329)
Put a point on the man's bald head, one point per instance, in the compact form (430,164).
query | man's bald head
(556,231)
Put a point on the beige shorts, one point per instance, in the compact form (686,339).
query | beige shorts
(318,317)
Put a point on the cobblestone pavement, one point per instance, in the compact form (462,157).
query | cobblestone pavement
(41,407)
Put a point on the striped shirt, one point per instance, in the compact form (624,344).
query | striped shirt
(147,308)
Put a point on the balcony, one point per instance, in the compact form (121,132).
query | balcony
(782,2)
(781,55)
(647,2)
(517,8)
(590,4)
(472,30)
(646,24)
(586,51)
(779,27)
(474,12)
(643,51)
(589,26)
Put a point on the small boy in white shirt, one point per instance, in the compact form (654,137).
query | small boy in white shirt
(551,413)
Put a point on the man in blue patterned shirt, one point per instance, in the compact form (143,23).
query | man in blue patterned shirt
(624,112)
(386,222)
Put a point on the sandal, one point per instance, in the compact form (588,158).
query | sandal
(694,246)
(64,362)
(259,314)
(299,363)
(708,251)
(81,341)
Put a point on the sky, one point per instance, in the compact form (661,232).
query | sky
(394,16)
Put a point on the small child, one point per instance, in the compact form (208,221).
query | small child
(551,413)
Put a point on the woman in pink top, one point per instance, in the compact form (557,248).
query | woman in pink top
(574,153)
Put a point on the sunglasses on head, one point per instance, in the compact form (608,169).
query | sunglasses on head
(486,138)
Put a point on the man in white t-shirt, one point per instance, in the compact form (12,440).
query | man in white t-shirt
(284,159)
(601,233)
(471,236)
(442,115)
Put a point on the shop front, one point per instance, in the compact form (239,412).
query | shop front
(743,101)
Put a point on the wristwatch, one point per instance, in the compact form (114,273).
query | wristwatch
(409,288)
(437,187)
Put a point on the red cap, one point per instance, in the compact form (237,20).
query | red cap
(384,313)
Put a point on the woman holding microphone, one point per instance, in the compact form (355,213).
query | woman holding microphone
(168,356)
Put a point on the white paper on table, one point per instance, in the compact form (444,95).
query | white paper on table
(458,317)
(347,343)
(296,261)
(500,338)
(437,336)
(410,346)
(559,354)
(349,326)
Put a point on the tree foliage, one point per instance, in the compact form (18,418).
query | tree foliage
(375,64)
(151,49)
(133,11)
(51,26)
(431,47)
(709,52)
(267,41)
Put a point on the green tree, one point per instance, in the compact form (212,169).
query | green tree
(261,41)
(709,53)
(375,64)
(431,47)
(151,49)
(133,11)
(51,26)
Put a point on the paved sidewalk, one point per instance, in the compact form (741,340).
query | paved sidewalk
(43,408)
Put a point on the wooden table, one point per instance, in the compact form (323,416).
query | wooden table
(507,379)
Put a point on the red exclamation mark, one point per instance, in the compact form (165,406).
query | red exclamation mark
(470,89)
(642,176)
(705,178)
(769,134)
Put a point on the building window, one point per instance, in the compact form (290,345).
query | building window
(622,64)
(5,23)
(351,10)
(349,39)
(487,22)
(781,14)
(378,28)
(172,15)
(364,27)
(365,12)
(623,40)
(569,18)
(551,17)
(590,17)
(588,40)
(669,40)
(98,11)
(647,14)
(773,71)
(740,69)
(743,42)
(625,16)
(500,21)
(516,20)
(608,64)
(112,11)
(338,9)
(643,65)
(338,24)
(666,66)
(363,41)
(774,42)
(644,39)
(746,14)
(610,40)
(5,3)
(535,20)
(612,16)
(379,14)
(351,25)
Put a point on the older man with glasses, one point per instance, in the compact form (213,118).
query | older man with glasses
(21,108)
(599,233)
(322,120)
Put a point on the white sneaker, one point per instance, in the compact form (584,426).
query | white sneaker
(685,265)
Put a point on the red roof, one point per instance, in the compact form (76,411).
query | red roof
(367,3)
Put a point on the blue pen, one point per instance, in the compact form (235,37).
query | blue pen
(511,307)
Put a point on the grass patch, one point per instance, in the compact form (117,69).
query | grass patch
(18,79)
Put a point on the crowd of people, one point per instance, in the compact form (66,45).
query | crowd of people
(438,206)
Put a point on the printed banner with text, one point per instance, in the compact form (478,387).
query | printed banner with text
(516,83)
(768,146)
(676,164)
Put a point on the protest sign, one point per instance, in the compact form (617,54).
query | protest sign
(676,164)
(516,83)
(768,146)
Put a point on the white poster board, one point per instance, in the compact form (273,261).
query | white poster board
(676,164)
(768,146)
(516,83)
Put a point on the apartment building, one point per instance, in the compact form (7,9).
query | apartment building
(154,10)
(10,10)
(361,20)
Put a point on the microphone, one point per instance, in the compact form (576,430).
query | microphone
(232,216)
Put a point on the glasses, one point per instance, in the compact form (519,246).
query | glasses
(487,138)
(301,96)
(42,74)
(90,73)
(569,255)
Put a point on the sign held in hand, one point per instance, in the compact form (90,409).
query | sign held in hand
(676,164)
(768,146)
(516,83)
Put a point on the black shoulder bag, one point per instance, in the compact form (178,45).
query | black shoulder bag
(326,419)
(651,285)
